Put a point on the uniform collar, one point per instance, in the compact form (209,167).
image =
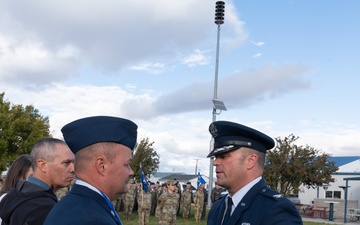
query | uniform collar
(238,196)
(86,184)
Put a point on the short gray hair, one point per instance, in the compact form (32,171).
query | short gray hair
(45,149)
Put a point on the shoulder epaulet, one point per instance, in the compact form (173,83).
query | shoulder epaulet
(271,193)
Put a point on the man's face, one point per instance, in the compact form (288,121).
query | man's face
(171,187)
(61,169)
(119,171)
(230,169)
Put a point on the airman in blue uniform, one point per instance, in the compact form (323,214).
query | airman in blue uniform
(239,153)
(103,151)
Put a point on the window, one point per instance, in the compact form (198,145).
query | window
(328,194)
(337,194)
(333,194)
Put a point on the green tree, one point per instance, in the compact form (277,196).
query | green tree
(145,155)
(289,165)
(20,128)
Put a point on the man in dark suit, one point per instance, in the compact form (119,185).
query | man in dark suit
(103,151)
(239,153)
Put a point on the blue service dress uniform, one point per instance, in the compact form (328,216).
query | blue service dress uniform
(81,206)
(260,206)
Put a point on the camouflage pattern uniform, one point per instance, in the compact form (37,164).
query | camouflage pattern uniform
(199,204)
(62,192)
(178,196)
(161,190)
(129,200)
(153,193)
(186,202)
(167,206)
(144,206)
(117,204)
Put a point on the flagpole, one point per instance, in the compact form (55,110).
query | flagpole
(142,204)
(142,196)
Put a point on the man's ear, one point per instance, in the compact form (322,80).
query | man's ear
(42,165)
(100,164)
(252,160)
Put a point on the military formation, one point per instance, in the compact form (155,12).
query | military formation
(162,201)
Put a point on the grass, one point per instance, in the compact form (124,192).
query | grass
(153,220)
(181,221)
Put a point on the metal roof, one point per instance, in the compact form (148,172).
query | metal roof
(342,160)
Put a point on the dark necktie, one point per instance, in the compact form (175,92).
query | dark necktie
(228,210)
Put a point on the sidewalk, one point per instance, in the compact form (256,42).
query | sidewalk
(337,221)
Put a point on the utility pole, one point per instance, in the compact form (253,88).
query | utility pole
(219,19)
(196,166)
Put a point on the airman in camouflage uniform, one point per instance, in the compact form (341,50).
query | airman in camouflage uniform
(129,200)
(63,191)
(162,189)
(178,195)
(118,204)
(167,205)
(153,193)
(186,202)
(199,203)
(144,206)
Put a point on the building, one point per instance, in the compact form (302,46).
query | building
(349,166)
(349,169)
(182,178)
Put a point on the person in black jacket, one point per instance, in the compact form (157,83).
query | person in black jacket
(239,153)
(31,201)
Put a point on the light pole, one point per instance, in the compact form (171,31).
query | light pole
(219,19)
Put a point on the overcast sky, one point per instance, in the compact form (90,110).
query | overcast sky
(285,67)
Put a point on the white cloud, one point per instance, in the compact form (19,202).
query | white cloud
(259,44)
(46,40)
(153,68)
(198,57)
(237,34)
(31,63)
(257,55)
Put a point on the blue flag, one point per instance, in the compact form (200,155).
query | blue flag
(143,179)
(200,180)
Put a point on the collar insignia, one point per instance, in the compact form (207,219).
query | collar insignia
(278,196)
